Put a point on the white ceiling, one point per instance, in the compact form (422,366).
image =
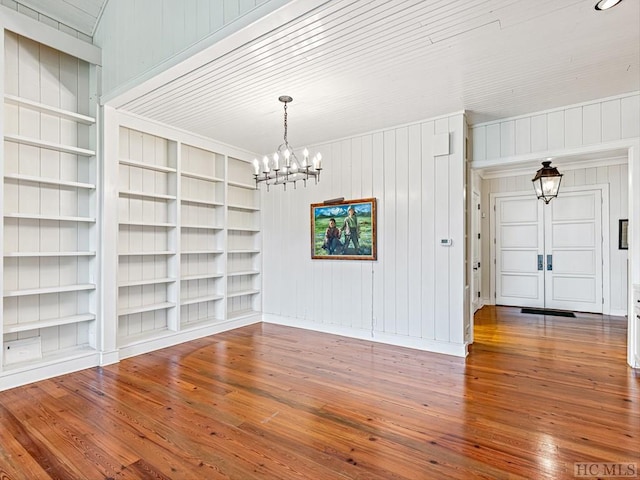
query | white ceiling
(354,66)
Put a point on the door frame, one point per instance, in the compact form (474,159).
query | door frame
(606,273)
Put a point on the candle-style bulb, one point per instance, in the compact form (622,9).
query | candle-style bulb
(256,166)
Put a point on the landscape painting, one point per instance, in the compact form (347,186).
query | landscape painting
(344,230)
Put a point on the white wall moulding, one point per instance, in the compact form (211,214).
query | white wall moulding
(50,228)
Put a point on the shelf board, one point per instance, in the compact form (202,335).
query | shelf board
(148,224)
(202,276)
(201,227)
(153,281)
(242,293)
(243,273)
(158,196)
(49,254)
(148,166)
(139,254)
(243,229)
(145,308)
(42,108)
(235,206)
(200,252)
(49,322)
(49,181)
(199,176)
(243,251)
(241,314)
(59,289)
(55,218)
(249,186)
(201,202)
(58,147)
(205,298)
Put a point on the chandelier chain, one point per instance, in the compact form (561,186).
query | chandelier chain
(285,124)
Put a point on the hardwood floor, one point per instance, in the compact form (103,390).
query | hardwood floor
(536,395)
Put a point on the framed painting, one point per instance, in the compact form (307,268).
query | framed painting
(344,230)
(623,229)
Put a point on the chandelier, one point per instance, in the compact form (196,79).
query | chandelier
(546,183)
(284,166)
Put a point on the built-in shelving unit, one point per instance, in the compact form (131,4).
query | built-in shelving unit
(50,216)
(243,241)
(148,241)
(201,237)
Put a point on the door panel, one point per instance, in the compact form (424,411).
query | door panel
(519,241)
(573,236)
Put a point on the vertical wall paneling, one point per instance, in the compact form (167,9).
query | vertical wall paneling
(50,269)
(390,233)
(429,237)
(414,232)
(139,42)
(611,120)
(405,297)
(538,133)
(402,241)
(630,114)
(378,292)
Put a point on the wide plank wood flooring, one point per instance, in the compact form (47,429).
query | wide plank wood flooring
(536,395)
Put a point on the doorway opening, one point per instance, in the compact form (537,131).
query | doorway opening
(551,256)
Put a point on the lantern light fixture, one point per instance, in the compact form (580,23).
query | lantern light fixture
(546,183)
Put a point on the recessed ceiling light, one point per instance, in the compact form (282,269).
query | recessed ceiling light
(606,4)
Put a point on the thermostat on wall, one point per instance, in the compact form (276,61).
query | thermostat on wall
(446,242)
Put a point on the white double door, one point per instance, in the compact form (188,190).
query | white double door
(550,256)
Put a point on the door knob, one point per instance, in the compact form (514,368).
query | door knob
(540,266)
(549,262)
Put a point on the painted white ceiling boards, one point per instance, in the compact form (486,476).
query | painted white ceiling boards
(354,66)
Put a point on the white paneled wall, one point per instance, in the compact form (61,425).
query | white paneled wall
(137,36)
(413,294)
(615,176)
(596,125)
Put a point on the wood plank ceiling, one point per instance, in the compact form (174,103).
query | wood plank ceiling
(354,66)
(81,15)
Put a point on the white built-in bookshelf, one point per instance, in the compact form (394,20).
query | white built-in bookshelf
(189,238)
(148,241)
(202,268)
(50,216)
(151,240)
(243,241)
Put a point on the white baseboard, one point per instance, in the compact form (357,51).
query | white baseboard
(41,371)
(447,348)
(174,338)
(617,313)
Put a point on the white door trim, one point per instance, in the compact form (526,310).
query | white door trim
(606,273)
